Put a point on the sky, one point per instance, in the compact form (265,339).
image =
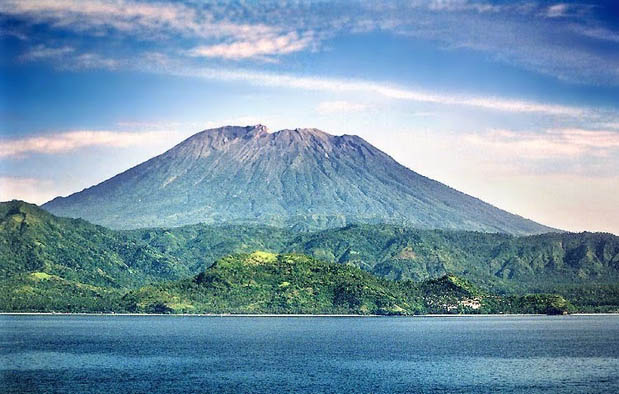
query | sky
(513,102)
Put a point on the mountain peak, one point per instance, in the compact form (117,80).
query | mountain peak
(229,133)
(233,132)
(219,138)
(302,177)
(305,132)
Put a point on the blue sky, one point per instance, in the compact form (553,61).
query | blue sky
(513,102)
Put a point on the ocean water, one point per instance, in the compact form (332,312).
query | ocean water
(139,354)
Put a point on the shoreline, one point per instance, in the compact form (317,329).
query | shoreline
(289,315)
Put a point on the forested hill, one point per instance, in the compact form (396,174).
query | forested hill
(263,282)
(498,261)
(491,259)
(36,245)
(32,240)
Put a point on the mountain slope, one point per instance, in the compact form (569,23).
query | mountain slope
(498,261)
(51,263)
(302,178)
(34,242)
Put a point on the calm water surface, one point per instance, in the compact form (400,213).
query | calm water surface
(134,354)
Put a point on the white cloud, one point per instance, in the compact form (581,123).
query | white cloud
(254,48)
(96,13)
(161,63)
(557,10)
(457,5)
(67,57)
(162,19)
(12,32)
(41,51)
(610,125)
(594,139)
(526,38)
(329,107)
(384,90)
(122,15)
(94,60)
(549,144)
(599,33)
(151,125)
(32,190)
(73,140)
(256,31)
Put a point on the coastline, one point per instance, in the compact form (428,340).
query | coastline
(290,315)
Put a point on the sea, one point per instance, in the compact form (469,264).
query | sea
(213,354)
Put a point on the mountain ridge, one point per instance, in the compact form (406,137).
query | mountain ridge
(43,256)
(301,178)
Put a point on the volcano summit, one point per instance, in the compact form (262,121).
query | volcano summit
(302,178)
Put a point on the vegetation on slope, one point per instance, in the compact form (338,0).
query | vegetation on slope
(42,292)
(263,282)
(583,267)
(32,240)
(569,264)
(496,261)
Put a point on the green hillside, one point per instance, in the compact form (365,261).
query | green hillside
(502,262)
(43,256)
(583,267)
(263,282)
(42,292)
(499,262)
(32,240)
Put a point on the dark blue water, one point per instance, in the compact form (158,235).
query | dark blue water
(133,354)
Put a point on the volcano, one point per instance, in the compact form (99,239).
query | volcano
(301,178)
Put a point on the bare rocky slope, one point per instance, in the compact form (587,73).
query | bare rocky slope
(302,178)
